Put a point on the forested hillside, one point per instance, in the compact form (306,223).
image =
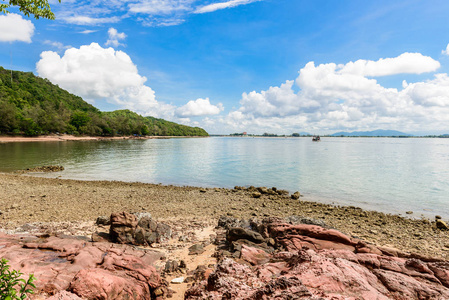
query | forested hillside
(31,105)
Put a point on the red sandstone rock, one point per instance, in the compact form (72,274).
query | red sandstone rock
(82,267)
(324,264)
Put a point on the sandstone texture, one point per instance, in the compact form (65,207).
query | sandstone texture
(312,262)
(73,268)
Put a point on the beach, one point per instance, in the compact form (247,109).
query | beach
(26,199)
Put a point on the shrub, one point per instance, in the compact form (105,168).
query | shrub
(12,287)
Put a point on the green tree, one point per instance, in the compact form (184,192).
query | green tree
(37,8)
(79,119)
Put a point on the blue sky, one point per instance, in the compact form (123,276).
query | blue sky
(242,65)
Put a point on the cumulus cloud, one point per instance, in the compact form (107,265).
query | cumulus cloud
(14,28)
(222,5)
(199,107)
(406,63)
(446,51)
(333,97)
(115,37)
(102,74)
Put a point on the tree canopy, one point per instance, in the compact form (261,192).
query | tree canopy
(37,8)
(31,105)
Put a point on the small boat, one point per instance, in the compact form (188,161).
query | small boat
(316,138)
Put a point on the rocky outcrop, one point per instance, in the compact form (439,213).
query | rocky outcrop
(313,262)
(74,268)
(137,229)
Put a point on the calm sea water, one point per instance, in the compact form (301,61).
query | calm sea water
(385,174)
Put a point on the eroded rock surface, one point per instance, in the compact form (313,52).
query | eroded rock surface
(312,262)
(140,229)
(69,268)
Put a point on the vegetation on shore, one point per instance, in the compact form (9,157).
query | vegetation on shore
(31,106)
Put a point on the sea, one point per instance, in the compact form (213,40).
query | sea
(392,175)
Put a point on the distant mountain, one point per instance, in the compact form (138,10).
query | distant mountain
(378,132)
(31,105)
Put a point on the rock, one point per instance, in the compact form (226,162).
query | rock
(305,220)
(282,192)
(319,263)
(171,266)
(441,224)
(139,229)
(295,195)
(100,237)
(123,227)
(64,295)
(196,249)
(88,270)
(203,190)
(437,217)
(409,212)
(45,169)
(101,284)
(256,195)
(103,220)
(236,233)
(262,190)
(177,280)
(254,256)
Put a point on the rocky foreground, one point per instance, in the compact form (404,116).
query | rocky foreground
(203,243)
(274,258)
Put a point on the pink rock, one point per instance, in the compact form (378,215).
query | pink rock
(101,284)
(55,262)
(254,256)
(324,264)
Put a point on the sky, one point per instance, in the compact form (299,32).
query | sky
(256,66)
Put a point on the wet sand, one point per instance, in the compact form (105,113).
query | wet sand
(27,199)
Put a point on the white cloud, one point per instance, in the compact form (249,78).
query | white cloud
(88,31)
(222,5)
(58,45)
(446,51)
(102,74)
(14,28)
(199,107)
(160,7)
(115,37)
(86,20)
(333,97)
(149,12)
(406,63)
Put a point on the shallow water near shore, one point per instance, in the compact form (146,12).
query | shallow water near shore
(391,175)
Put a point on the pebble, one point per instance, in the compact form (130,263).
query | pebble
(178,280)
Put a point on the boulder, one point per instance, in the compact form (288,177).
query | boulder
(295,195)
(87,270)
(138,229)
(236,233)
(441,224)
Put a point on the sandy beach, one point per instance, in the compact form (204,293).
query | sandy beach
(27,199)
(68,137)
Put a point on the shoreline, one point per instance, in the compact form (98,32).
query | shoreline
(30,199)
(68,137)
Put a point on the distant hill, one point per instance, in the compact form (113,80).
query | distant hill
(378,132)
(31,105)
